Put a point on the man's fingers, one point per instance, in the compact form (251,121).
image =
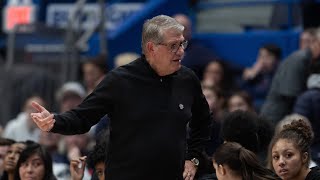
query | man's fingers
(185,174)
(45,124)
(37,106)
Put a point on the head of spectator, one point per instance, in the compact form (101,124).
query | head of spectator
(218,74)
(97,159)
(307,37)
(70,95)
(125,58)
(94,70)
(4,146)
(233,161)
(163,44)
(11,159)
(242,127)
(186,22)
(215,100)
(269,55)
(315,46)
(34,163)
(240,100)
(289,150)
(214,74)
(28,109)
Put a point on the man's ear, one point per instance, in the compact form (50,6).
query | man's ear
(221,169)
(150,47)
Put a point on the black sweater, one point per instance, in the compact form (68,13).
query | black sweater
(148,118)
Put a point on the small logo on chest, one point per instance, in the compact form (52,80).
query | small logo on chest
(181,106)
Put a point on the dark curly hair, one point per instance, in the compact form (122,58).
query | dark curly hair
(299,133)
(99,154)
(242,127)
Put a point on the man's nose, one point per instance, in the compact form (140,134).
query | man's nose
(180,50)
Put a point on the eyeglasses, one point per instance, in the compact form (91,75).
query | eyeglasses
(175,47)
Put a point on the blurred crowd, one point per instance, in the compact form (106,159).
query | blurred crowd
(265,118)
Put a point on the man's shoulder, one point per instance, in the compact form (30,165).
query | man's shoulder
(136,64)
(187,72)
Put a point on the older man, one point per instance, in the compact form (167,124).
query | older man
(150,102)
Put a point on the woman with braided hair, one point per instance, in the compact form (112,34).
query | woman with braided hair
(289,152)
(233,161)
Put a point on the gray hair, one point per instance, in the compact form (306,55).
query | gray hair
(153,29)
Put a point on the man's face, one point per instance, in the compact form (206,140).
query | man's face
(167,55)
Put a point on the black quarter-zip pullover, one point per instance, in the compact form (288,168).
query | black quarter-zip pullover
(148,117)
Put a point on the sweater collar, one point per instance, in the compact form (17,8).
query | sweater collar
(151,70)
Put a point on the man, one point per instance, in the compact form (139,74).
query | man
(149,102)
(289,81)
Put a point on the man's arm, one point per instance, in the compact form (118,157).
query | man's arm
(80,119)
(200,129)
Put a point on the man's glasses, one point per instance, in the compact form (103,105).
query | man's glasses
(175,47)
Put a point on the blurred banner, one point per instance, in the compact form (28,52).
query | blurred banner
(58,14)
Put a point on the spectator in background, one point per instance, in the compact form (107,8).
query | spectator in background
(11,159)
(218,75)
(308,105)
(256,80)
(249,130)
(307,37)
(240,100)
(22,128)
(196,55)
(34,163)
(70,95)
(94,71)
(4,146)
(287,120)
(289,82)
(125,58)
(60,161)
(97,159)
(289,152)
(233,161)
(215,100)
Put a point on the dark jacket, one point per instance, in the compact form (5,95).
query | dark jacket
(308,105)
(314,174)
(287,83)
(148,117)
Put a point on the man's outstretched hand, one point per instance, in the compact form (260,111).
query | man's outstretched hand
(43,118)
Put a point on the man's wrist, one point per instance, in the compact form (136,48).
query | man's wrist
(195,161)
